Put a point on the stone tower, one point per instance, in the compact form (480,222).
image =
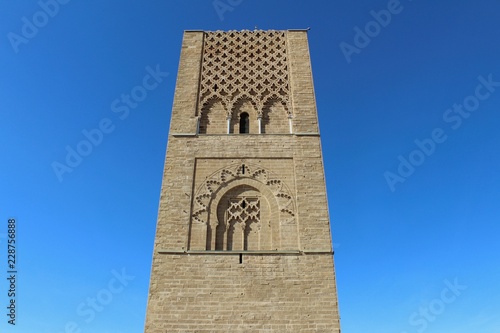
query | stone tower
(243,238)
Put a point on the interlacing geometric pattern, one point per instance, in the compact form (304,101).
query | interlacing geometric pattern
(243,210)
(243,214)
(244,65)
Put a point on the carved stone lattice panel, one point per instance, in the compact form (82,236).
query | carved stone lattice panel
(244,210)
(242,220)
(244,65)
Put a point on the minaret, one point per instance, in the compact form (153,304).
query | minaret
(243,239)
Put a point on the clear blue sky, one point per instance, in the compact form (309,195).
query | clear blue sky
(417,249)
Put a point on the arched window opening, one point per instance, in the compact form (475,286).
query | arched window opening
(213,118)
(245,217)
(203,122)
(274,118)
(240,213)
(244,123)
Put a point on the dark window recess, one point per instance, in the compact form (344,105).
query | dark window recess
(241,258)
(244,123)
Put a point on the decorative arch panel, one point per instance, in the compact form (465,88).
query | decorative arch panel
(243,207)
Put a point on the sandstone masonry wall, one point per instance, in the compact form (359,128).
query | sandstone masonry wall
(290,288)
